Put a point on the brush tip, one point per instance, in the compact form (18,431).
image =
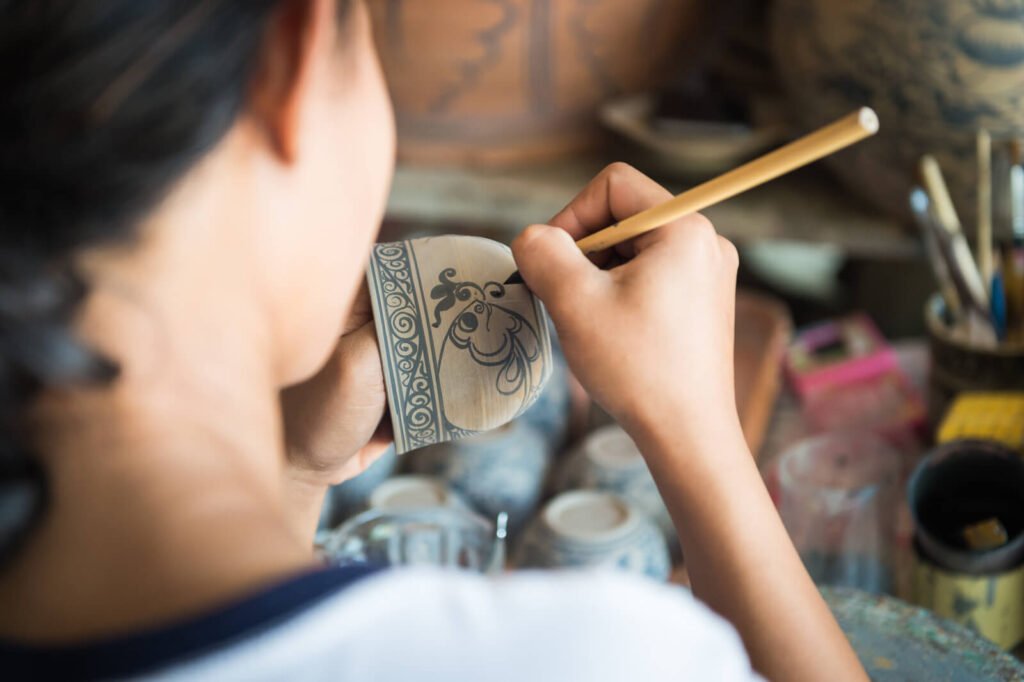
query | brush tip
(515,278)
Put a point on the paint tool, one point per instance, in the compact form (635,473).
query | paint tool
(962,262)
(983,247)
(833,137)
(1016,193)
(964,310)
(919,207)
(1013,284)
(999,320)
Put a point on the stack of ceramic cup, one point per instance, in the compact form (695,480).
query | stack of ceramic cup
(500,471)
(606,512)
(594,529)
(608,459)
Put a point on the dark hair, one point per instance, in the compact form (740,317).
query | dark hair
(104,105)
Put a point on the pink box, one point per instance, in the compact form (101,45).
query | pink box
(837,353)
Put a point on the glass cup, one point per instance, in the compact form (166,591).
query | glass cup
(838,500)
(434,536)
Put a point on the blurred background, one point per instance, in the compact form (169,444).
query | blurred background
(506,109)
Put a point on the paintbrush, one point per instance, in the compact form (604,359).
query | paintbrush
(962,263)
(963,312)
(1013,265)
(1016,193)
(983,248)
(827,140)
(919,206)
(1013,284)
(998,297)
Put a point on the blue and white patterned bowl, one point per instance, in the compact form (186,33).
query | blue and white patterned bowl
(551,415)
(608,459)
(352,496)
(594,529)
(500,471)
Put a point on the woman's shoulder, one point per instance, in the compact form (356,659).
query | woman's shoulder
(429,624)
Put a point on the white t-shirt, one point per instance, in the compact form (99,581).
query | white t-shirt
(430,625)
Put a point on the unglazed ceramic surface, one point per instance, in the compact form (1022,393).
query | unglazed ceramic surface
(934,70)
(462,352)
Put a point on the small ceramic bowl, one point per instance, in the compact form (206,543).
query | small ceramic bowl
(552,414)
(500,471)
(594,529)
(608,459)
(414,492)
(351,497)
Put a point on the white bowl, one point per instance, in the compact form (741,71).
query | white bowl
(594,529)
(414,492)
(608,459)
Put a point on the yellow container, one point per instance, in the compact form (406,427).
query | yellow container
(991,605)
(996,416)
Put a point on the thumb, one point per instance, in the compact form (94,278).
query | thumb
(552,266)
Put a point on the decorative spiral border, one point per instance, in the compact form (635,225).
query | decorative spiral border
(412,384)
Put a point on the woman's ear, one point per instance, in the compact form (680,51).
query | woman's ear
(288,85)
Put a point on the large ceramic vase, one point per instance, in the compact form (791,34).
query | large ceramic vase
(498,81)
(934,70)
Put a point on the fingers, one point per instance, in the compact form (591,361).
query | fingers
(617,192)
(553,267)
(357,359)
(730,255)
(694,234)
(361,311)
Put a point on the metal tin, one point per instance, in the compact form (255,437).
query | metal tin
(964,482)
(992,605)
(958,484)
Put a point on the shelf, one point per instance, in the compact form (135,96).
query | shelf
(807,206)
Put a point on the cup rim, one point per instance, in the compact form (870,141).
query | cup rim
(597,455)
(787,477)
(449,515)
(396,484)
(575,498)
(997,559)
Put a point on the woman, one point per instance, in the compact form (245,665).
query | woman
(190,192)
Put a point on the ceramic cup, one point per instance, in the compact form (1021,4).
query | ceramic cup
(500,471)
(414,492)
(462,352)
(594,529)
(608,459)
(351,497)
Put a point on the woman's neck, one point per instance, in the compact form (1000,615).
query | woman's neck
(166,487)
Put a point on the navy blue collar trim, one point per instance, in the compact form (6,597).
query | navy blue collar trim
(149,651)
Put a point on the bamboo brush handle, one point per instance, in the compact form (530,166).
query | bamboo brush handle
(984,246)
(949,221)
(828,140)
